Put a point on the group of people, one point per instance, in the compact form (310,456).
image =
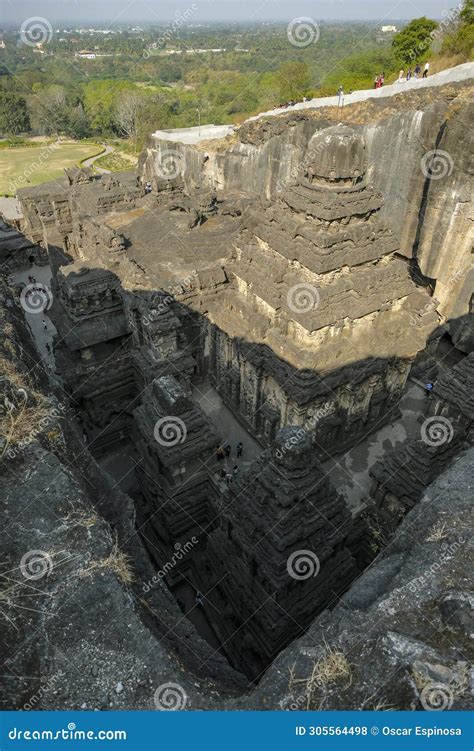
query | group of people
(416,73)
(223,453)
(379,81)
(290,103)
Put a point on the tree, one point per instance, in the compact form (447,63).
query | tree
(461,40)
(154,115)
(466,14)
(294,80)
(78,125)
(414,41)
(49,109)
(128,108)
(14,117)
(100,99)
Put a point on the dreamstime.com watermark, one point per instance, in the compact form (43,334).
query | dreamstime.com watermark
(36,298)
(436,697)
(437,430)
(303,165)
(34,700)
(449,20)
(437,164)
(71,733)
(165,301)
(292,441)
(35,31)
(170,430)
(180,20)
(303,31)
(180,552)
(169,164)
(303,298)
(170,697)
(303,564)
(35,564)
(35,165)
(422,581)
(47,421)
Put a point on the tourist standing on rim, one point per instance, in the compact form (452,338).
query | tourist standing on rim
(425,72)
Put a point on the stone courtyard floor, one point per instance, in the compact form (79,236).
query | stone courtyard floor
(349,472)
(228,427)
(42,274)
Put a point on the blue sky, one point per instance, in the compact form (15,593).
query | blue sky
(115,12)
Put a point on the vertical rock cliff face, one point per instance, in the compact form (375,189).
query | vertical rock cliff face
(427,196)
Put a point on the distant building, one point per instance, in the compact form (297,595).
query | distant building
(90,55)
(389,29)
(86,55)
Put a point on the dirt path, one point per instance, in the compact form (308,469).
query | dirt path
(90,161)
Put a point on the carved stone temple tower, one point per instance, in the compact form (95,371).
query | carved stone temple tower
(93,352)
(278,557)
(317,280)
(177,446)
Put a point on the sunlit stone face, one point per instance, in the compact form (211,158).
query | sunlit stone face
(336,154)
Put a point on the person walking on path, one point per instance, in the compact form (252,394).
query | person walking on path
(408,74)
(220,454)
(228,450)
(240,449)
(340,93)
(426,70)
(417,71)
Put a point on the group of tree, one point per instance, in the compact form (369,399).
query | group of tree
(424,37)
(414,41)
(128,95)
(460,40)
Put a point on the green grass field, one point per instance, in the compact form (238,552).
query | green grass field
(23,167)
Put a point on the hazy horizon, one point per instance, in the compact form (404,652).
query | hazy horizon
(116,13)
